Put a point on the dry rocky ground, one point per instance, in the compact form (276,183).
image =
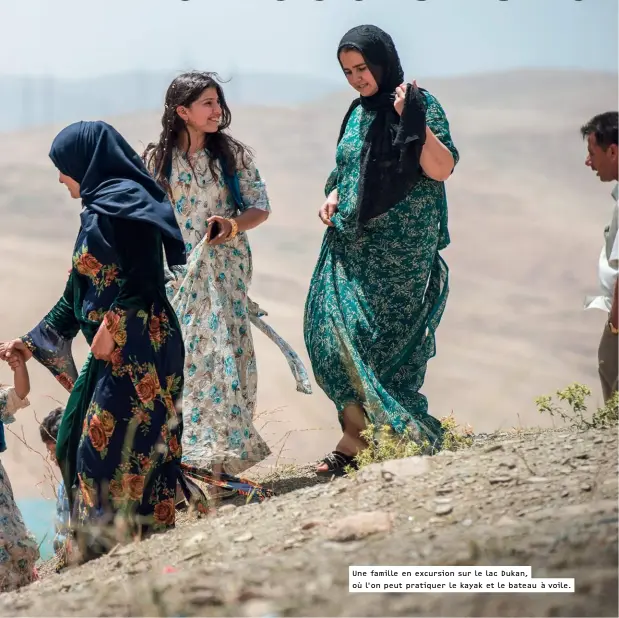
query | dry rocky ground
(545,499)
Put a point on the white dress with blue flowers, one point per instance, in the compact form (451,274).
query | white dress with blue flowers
(18,549)
(209,295)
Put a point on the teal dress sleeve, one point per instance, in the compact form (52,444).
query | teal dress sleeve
(436,120)
(331,182)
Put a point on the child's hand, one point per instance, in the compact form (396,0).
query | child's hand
(8,348)
(16,361)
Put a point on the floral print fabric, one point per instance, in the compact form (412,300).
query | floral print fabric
(212,305)
(18,549)
(376,298)
(129,448)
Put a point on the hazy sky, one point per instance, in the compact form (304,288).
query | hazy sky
(434,37)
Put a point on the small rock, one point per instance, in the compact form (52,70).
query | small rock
(565,493)
(205,597)
(536,479)
(243,538)
(467,522)
(495,480)
(191,556)
(510,465)
(444,509)
(308,525)
(493,447)
(585,487)
(226,508)
(506,521)
(360,525)
(597,440)
(261,608)
(400,468)
(446,489)
(444,454)
(195,540)
(345,547)
(442,500)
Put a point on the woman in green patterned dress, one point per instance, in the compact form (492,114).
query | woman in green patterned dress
(380,285)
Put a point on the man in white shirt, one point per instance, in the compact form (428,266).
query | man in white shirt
(601,136)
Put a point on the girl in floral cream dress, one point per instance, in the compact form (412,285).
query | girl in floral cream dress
(218,195)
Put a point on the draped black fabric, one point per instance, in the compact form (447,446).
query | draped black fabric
(114,181)
(393,144)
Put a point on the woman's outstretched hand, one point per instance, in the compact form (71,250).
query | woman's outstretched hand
(103,344)
(329,208)
(13,351)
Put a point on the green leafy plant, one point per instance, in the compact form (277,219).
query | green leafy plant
(385,444)
(576,396)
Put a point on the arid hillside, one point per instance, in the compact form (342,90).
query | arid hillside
(526,220)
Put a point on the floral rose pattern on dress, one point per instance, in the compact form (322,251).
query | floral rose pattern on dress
(128,453)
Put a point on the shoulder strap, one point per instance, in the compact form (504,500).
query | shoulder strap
(231,181)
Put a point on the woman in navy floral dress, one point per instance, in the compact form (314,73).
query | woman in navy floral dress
(119,444)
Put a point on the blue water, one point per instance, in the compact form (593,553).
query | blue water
(39,515)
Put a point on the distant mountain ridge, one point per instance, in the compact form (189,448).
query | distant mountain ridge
(33,101)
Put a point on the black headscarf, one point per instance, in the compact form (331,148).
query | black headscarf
(114,181)
(390,154)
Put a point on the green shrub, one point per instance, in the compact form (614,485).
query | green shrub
(576,396)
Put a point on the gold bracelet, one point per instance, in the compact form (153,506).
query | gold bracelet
(614,330)
(235,229)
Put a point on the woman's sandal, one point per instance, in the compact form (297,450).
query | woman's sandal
(337,462)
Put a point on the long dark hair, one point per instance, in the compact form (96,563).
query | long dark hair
(183,91)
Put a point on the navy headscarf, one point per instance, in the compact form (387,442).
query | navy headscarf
(114,181)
